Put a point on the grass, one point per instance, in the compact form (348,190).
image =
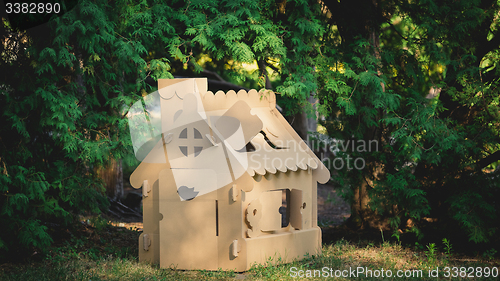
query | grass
(110,253)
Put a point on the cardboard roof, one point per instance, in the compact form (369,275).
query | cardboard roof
(290,152)
(246,127)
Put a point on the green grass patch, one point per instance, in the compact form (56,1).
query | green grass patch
(110,253)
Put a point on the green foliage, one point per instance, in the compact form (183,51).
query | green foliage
(447,247)
(431,253)
(490,254)
(375,82)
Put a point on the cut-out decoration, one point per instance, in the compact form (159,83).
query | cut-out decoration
(184,150)
(184,134)
(253,217)
(187,193)
(191,183)
(197,150)
(197,134)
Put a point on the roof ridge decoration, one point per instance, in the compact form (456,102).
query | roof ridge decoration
(221,100)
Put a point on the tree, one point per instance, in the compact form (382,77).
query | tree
(421,79)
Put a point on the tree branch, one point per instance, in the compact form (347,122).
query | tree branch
(488,160)
(394,28)
(217,76)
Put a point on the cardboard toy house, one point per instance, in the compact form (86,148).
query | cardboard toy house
(226,181)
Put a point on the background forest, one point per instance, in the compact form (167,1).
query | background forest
(419,77)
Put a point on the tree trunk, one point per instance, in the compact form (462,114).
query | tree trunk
(362,216)
(112,175)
